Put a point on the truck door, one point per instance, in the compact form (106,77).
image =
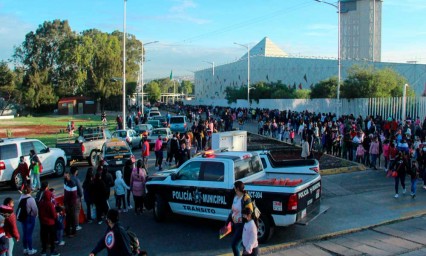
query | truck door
(200,190)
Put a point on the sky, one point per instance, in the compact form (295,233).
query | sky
(192,33)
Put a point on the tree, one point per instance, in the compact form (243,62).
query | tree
(39,55)
(104,66)
(153,90)
(371,83)
(186,87)
(325,89)
(133,54)
(8,89)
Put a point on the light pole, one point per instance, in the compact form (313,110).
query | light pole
(212,63)
(337,6)
(248,71)
(404,102)
(142,82)
(124,66)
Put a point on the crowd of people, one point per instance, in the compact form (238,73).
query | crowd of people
(394,146)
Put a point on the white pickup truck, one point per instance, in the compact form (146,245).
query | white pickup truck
(286,192)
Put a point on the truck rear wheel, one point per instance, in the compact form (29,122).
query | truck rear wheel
(17,180)
(265,230)
(159,209)
(92,158)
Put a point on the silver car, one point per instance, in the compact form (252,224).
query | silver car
(130,136)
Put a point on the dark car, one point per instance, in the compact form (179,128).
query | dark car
(162,119)
(115,153)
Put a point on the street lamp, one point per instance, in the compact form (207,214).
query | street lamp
(404,102)
(337,6)
(124,66)
(212,63)
(142,83)
(248,71)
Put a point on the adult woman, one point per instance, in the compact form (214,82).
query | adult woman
(29,223)
(99,197)
(241,200)
(127,173)
(305,148)
(137,185)
(88,193)
(401,167)
(47,223)
(250,243)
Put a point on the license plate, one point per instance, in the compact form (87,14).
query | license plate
(118,162)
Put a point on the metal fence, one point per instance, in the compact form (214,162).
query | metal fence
(385,107)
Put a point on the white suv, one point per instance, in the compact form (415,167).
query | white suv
(52,159)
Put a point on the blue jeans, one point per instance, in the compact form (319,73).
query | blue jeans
(237,238)
(27,229)
(413,186)
(373,160)
(11,244)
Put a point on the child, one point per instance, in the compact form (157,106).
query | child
(292,136)
(24,171)
(360,151)
(120,190)
(286,134)
(60,225)
(4,243)
(249,237)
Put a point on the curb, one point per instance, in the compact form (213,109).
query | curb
(356,168)
(279,247)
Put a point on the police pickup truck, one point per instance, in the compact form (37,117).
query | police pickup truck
(286,192)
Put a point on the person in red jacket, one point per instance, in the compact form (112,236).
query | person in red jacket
(47,217)
(24,171)
(10,226)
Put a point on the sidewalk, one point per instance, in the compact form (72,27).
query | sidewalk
(407,237)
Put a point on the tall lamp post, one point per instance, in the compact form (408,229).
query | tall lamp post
(212,63)
(248,71)
(124,66)
(404,102)
(142,81)
(337,6)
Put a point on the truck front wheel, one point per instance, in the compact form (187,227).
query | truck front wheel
(159,209)
(92,158)
(265,230)
(17,180)
(59,168)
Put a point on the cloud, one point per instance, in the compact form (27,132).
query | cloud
(182,6)
(180,12)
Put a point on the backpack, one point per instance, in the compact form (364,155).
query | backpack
(134,242)
(21,211)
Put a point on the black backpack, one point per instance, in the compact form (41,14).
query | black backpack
(21,211)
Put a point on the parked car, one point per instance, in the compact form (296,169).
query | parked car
(144,129)
(84,147)
(154,123)
(52,159)
(178,124)
(115,153)
(130,136)
(153,113)
(166,134)
(162,119)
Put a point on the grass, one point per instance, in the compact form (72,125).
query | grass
(55,126)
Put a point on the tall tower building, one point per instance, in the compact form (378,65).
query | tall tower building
(361,29)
